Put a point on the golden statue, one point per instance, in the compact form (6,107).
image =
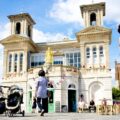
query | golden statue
(49,56)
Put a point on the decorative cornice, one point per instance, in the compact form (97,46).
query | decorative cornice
(22,15)
(91,7)
(59,45)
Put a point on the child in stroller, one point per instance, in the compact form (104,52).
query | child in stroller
(2,101)
(14,100)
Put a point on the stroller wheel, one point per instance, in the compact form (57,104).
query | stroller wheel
(23,113)
(9,114)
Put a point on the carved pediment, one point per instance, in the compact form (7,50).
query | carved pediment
(16,40)
(93,30)
(13,38)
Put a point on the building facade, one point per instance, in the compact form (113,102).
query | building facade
(117,74)
(79,66)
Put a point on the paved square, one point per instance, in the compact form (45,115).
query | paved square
(62,116)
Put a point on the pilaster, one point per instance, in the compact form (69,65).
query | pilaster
(101,16)
(5,61)
(107,54)
(12,27)
(87,19)
(25,27)
(91,56)
(25,60)
(18,63)
(82,51)
(22,27)
(98,58)
(13,56)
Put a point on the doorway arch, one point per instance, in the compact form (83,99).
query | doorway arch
(72,98)
(96,91)
(93,19)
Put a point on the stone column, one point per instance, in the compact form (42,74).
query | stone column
(107,55)
(5,61)
(22,27)
(31,32)
(87,19)
(82,51)
(97,18)
(98,58)
(13,27)
(13,56)
(25,60)
(18,63)
(101,13)
(91,55)
(25,28)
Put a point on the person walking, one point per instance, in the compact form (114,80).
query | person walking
(41,91)
(34,105)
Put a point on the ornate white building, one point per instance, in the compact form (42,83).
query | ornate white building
(80,66)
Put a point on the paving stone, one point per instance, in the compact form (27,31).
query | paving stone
(62,116)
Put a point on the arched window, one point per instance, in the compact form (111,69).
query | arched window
(71,86)
(88,55)
(101,54)
(29,30)
(10,63)
(18,28)
(93,19)
(21,61)
(101,50)
(15,62)
(94,55)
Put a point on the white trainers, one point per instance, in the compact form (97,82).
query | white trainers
(42,113)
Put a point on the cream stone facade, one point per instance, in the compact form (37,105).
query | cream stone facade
(80,66)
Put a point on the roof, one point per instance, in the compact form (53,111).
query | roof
(26,15)
(59,44)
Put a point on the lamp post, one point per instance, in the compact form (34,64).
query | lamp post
(116,61)
(118,28)
(119,33)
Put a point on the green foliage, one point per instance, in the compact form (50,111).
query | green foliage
(115,94)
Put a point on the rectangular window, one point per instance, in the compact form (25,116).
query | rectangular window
(73,59)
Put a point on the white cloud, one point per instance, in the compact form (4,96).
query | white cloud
(39,36)
(4,30)
(69,10)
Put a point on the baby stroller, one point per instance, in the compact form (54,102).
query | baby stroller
(14,101)
(2,102)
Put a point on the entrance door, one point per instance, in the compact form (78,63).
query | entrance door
(51,100)
(71,100)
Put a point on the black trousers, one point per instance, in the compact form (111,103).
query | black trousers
(43,104)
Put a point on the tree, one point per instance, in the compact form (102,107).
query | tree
(115,94)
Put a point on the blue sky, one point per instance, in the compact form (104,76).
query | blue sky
(57,19)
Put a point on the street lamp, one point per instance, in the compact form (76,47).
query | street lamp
(119,28)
